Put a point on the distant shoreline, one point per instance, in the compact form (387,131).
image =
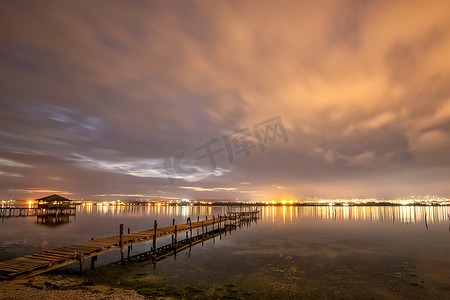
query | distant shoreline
(293,204)
(252,204)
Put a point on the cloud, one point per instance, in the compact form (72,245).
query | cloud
(431,145)
(11,163)
(9,174)
(365,159)
(135,196)
(149,168)
(361,87)
(42,191)
(201,189)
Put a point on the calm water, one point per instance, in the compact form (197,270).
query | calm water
(300,252)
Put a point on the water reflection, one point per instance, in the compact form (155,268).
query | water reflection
(53,219)
(401,214)
(103,220)
(154,210)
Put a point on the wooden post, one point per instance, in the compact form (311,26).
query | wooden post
(155,227)
(129,247)
(176,229)
(173,224)
(81,261)
(190,226)
(93,260)
(203,231)
(198,220)
(122,254)
(214,239)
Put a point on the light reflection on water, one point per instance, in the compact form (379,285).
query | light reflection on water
(150,210)
(402,214)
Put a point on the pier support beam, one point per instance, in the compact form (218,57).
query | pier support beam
(93,260)
(122,253)
(173,224)
(155,227)
(190,226)
(203,232)
(198,220)
(176,239)
(81,262)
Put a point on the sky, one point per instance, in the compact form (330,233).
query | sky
(247,100)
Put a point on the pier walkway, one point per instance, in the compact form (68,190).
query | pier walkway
(37,263)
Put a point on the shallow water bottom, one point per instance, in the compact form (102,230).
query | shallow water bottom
(201,275)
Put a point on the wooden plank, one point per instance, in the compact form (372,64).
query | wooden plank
(80,246)
(47,255)
(56,253)
(49,260)
(76,248)
(25,261)
(68,251)
(93,244)
(15,264)
(96,243)
(11,268)
(113,238)
(25,266)
(23,258)
(137,234)
(65,254)
(41,259)
(37,259)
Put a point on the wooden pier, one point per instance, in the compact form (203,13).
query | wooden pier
(16,212)
(34,264)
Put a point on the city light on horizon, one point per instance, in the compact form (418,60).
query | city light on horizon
(217,102)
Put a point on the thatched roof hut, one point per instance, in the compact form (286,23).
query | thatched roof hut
(53,201)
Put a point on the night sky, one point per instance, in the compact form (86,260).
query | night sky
(105,100)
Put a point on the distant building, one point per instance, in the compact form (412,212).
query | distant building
(53,202)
